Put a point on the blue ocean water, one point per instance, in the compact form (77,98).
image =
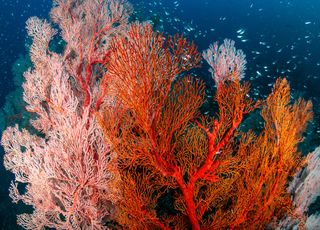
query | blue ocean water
(279,38)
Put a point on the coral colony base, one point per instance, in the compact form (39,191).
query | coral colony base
(120,142)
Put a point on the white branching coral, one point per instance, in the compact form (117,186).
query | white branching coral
(225,61)
(305,188)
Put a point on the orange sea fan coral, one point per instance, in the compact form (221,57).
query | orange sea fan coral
(218,176)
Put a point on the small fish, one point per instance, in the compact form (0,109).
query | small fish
(258,73)
(307,23)
(241,31)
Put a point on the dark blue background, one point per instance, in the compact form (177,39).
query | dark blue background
(282,39)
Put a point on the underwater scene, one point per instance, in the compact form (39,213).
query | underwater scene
(160,114)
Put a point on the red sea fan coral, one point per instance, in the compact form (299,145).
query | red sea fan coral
(217,176)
